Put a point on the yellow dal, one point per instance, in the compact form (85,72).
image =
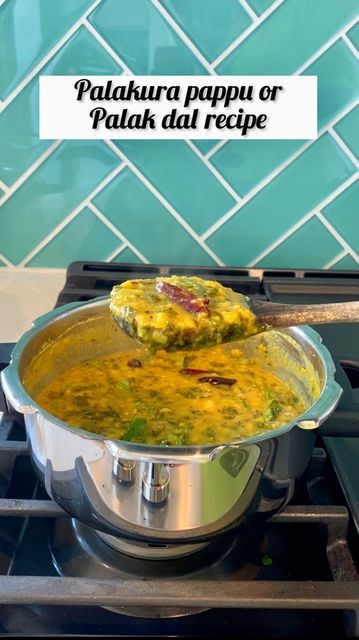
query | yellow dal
(160,404)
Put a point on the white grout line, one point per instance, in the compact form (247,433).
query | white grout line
(215,172)
(337,236)
(308,62)
(71,215)
(324,48)
(332,196)
(116,232)
(6,261)
(106,46)
(10,190)
(305,219)
(164,202)
(216,225)
(120,250)
(216,148)
(4,186)
(344,147)
(221,221)
(256,190)
(116,252)
(336,119)
(336,259)
(184,37)
(275,173)
(249,10)
(49,55)
(281,239)
(339,116)
(246,33)
(204,157)
(349,43)
(29,171)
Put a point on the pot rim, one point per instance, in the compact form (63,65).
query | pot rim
(22,402)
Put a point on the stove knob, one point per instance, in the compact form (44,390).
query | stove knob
(124,470)
(155,482)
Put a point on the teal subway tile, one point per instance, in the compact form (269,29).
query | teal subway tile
(311,247)
(210,24)
(82,54)
(19,122)
(338,81)
(260,6)
(348,130)
(353,35)
(321,169)
(127,255)
(346,263)
(1,193)
(343,214)
(29,29)
(205,145)
(84,238)
(51,193)
(244,163)
(182,178)
(289,36)
(136,213)
(143,38)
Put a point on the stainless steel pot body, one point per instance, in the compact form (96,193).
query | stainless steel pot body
(157,494)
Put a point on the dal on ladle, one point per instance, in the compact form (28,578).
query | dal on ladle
(182,312)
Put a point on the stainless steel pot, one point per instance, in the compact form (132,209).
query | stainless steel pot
(160,494)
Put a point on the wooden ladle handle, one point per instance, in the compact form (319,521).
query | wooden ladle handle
(287,315)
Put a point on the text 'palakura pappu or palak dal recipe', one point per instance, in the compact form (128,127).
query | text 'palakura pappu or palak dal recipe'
(172,398)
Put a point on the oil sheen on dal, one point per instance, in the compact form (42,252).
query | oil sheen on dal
(196,398)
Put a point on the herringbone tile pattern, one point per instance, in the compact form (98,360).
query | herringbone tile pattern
(268,203)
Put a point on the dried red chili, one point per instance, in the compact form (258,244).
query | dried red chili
(218,380)
(186,299)
(194,372)
(134,363)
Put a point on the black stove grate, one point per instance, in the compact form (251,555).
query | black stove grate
(321,590)
(86,280)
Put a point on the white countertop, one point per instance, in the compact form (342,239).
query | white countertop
(25,295)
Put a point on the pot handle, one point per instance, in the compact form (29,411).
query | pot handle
(323,408)
(14,391)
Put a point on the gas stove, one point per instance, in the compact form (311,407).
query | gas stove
(293,576)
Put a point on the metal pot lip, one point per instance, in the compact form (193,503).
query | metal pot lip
(310,419)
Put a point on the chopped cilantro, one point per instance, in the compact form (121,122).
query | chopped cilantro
(136,429)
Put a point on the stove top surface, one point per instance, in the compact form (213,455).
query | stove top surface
(295,576)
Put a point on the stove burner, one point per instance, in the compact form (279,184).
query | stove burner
(78,550)
(150,551)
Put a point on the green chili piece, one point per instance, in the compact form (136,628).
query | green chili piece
(267,560)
